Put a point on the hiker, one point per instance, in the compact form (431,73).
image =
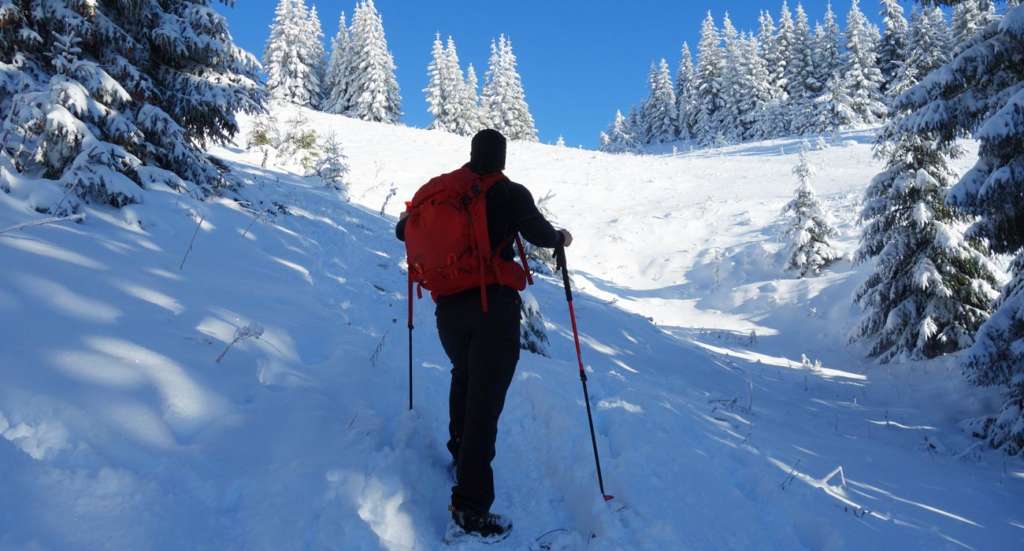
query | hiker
(478,314)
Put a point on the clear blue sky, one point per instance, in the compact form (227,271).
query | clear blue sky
(580,59)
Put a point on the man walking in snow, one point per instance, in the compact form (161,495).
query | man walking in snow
(478,316)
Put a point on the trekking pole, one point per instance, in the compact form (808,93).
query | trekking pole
(560,260)
(410,341)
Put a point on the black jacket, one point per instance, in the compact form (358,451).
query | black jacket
(511,209)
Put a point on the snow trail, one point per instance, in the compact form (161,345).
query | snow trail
(121,431)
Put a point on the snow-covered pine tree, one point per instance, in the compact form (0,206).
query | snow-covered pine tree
(335,83)
(892,50)
(753,84)
(801,82)
(686,95)
(465,114)
(660,116)
(372,89)
(828,45)
(710,69)
(533,337)
(928,47)
(810,232)
(314,36)
(619,137)
(439,97)
(289,60)
(332,165)
(931,287)
(560,142)
(969,17)
(504,99)
(473,118)
(863,78)
(981,93)
(104,101)
(773,118)
(832,109)
(727,119)
(784,39)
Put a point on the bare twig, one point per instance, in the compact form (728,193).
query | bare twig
(253,331)
(43,222)
(191,242)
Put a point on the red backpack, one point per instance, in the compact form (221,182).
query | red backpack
(447,242)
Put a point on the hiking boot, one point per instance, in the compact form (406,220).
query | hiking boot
(489,527)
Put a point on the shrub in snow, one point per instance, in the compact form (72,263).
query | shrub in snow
(542,260)
(251,331)
(809,232)
(931,287)
(532,335)
(981,91)
(103,100)
(301,144)
(332,165)
(265,136)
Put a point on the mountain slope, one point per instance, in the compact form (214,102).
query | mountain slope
(121,430)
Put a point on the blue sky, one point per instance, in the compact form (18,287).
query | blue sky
(580,59)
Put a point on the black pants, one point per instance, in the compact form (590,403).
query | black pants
(484,350)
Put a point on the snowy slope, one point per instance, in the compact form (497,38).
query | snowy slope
(122,431)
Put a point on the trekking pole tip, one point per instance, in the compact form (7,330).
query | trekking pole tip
(608,497)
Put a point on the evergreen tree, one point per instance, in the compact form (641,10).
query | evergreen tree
(931,288)
(619,137)
(809,232)
(710,68)
(928,48)
(104,101)
(801,83)
(440,96)
(893,49)
(979,93)
(833,110)
(372,89)
(773,119)
(686,94)
(754,94)
(456,82)
(332,165)
(727,118)
(533,337)
(863,78)
(335,83)
(314,37)
(289,58)
(504,99)
(784,47)
(473,118)
(660,115)
(828,45)
(969,17)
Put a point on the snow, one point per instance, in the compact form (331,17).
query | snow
(721,426)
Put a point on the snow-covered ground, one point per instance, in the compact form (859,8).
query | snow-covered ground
(121,430)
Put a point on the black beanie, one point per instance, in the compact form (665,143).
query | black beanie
(488,153)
